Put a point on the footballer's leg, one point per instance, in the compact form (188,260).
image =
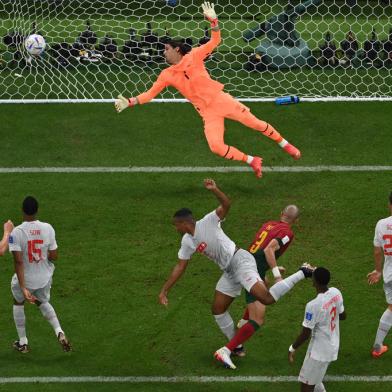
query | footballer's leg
(222,317)
(306,387)
(226,291)
(47,310)
(214,130)
(244,116)
(50,315)
(383,328)
(278,290)
(21,344)
(247,330)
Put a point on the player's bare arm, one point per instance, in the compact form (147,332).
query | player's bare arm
(224,201)
(8,227)
(175,275)
(375,276)
(302,338)
(269,252)
(19,270)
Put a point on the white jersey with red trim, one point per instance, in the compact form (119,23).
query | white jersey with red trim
(383,239)
(210,240)
(322,317)
(34,239)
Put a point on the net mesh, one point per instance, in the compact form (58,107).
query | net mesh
(97,49)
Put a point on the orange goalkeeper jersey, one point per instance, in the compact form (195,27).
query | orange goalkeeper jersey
(189,77)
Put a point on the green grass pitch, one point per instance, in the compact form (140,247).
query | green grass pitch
(117,245)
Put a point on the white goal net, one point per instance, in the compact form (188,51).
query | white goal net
(99,48)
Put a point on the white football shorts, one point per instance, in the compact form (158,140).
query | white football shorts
(242,273)
(388,292)
(312,371)
(42,294)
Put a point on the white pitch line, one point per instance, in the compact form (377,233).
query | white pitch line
(186,379)
(193,169)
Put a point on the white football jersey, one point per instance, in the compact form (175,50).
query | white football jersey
(322,317)
(383,239)
(34,239)
(210,240)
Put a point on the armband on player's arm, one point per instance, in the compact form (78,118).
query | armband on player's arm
(122,103)
(210,14)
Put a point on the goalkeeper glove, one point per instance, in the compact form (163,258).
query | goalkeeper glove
(122,103)
(209,13)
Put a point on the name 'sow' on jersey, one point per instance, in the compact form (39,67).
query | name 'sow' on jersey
(34,239)
(383,239)
(322,317)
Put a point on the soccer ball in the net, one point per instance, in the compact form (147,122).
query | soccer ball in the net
(35,44)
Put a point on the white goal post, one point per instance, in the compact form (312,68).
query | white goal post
(319,50)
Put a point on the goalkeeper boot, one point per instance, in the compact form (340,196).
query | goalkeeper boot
(223,355)
(256,165)
(293,151)
(378,351)
(307,269)
(64,342)
(22,348)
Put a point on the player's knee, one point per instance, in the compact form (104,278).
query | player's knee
(217,309)
(218,149)
(258,320)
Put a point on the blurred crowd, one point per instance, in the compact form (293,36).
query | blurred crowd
(146,47)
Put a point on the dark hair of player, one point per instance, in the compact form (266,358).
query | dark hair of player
(322,276)
(390,198)
(184,47)
(183,214)
(30,205)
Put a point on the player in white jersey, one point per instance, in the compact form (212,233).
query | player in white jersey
(383,252)
(239,266)
(321,321)
(33,245)
(8,227)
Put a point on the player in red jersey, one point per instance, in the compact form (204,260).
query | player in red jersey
(270,242)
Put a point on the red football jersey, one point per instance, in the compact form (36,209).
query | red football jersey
(269,231)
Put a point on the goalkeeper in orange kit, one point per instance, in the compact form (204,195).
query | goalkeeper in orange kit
(187,73)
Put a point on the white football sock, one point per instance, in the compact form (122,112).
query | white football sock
(226,324)
(48,312)
(283,143)
(20,323)
(284,286)
(383,329)
(249,159)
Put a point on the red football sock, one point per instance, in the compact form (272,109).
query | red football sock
(243,334)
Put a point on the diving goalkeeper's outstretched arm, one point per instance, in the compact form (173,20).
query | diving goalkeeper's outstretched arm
(173,56)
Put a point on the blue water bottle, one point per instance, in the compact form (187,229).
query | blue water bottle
(287,100)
